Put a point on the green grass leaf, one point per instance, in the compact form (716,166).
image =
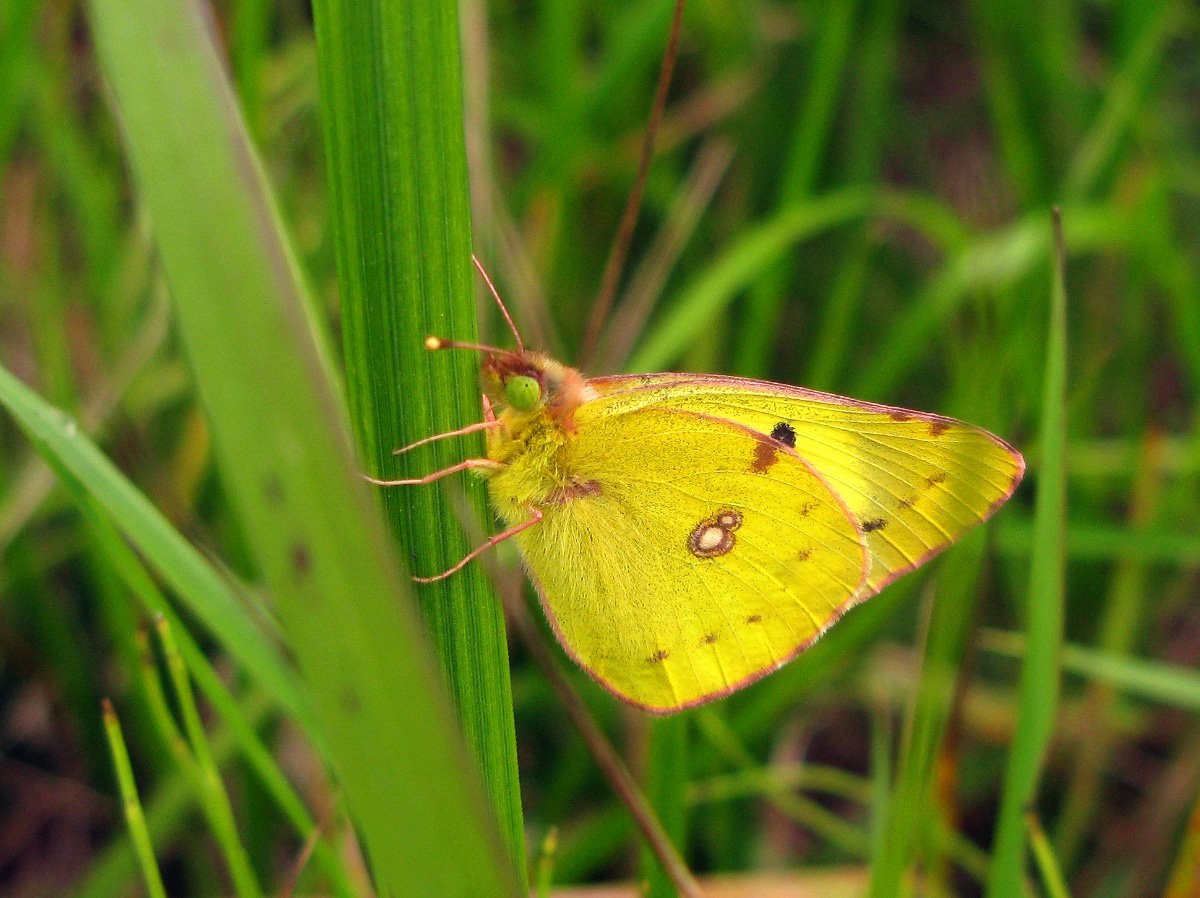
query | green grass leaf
(245,320)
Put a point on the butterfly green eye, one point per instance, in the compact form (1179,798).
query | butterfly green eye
(523,393)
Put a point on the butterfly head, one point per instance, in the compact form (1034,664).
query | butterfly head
(529,384)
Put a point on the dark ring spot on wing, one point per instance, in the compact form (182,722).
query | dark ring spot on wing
(713,536)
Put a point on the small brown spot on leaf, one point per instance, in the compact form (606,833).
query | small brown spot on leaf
(874,524)
(273,490)
(658,657)
(301,560)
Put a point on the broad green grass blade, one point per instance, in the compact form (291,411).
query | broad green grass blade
(393,115)
(278,426)
(1039,686)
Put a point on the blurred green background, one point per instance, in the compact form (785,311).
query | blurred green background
(851,196)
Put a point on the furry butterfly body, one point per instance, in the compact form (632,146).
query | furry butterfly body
(689,534)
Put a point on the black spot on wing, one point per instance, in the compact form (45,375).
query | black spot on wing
(874,524)
(784,433)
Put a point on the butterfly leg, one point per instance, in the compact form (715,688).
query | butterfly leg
(462,431)
(536,516)
(470,463)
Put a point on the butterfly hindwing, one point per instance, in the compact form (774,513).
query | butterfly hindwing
(914,482)
(689,554)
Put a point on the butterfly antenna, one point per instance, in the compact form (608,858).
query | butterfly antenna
(435,343)
(620,247)
(503,308)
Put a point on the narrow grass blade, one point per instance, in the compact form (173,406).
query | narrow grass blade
(1053,882)
(910,806)
(665,787)
(253,751)
(1039,685)
(135,819)
(1123,102)
(87,473)
(214,798)
(1186,871)
(809,145)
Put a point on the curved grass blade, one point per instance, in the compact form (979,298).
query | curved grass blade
(86,472)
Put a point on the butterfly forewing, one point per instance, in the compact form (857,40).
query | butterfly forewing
(689,555)
(914,482)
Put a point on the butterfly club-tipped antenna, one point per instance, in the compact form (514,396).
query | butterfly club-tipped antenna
(500,302)
(433,343)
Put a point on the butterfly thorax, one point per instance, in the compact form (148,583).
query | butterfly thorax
(536,430)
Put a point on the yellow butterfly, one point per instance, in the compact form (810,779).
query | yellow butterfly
(688,533)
